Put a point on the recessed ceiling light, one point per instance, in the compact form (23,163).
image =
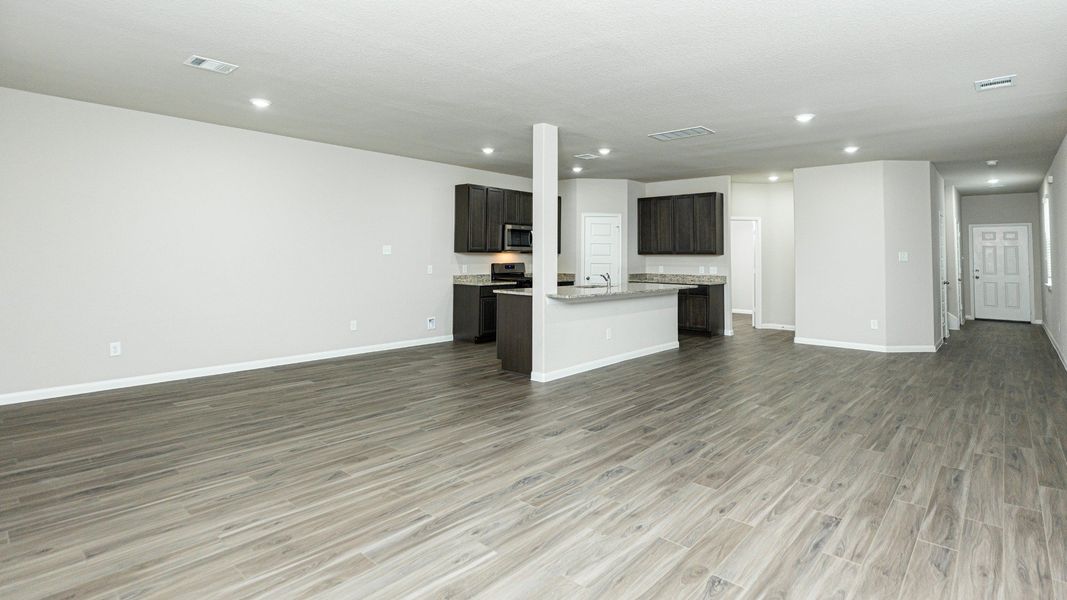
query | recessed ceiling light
(851,149)
(604,151)
(487,150)
(260,102)
(991,163)
(804,117)
(576,169)
(993,181)
(772,178)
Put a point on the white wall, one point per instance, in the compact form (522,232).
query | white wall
(743,265)
(605,196)
(995,209)
(851,222)
(1054,298)
(199,245)
(773,204)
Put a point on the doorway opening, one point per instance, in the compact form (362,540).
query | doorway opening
(746,268)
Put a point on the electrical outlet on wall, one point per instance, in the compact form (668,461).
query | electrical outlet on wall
(713,270)
(661,268)
(431,322)
(902,256)
(607,333)
(874,323)
(463,269)
(353,325)
(429,269)
(701,269)
(115,349)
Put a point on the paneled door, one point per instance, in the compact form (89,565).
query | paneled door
(601,248)
(1000,269)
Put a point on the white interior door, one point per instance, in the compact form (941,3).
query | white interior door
(1001,272)
(601,248)
(743,265)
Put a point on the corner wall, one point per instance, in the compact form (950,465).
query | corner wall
(198,245)
(1055,298)
(852,221)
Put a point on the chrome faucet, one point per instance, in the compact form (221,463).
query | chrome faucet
(606,277)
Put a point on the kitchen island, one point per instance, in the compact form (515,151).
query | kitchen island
(592,326)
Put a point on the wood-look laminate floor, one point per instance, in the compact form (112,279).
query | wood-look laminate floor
(741,467)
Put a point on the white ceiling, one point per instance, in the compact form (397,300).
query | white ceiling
(438,80)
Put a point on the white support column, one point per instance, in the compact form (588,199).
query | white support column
(545,233)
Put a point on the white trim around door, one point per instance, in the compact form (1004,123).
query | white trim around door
(757,270)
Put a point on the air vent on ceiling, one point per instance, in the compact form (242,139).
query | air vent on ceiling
(586,156)
(678,134)
(996,82)
(210,64)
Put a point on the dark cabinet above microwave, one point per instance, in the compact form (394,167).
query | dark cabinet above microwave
(682,224)
(482,213)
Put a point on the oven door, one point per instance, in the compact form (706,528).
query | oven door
(518,238)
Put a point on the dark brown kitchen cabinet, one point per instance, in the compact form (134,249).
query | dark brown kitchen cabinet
(708,224)
(474,312)
(682,224)
(482,212)
(494,220)
(700,310)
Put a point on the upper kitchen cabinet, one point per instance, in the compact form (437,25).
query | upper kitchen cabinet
(518,208)
(683,224)
(482,212)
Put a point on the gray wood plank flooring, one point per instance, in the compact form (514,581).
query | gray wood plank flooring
(743,467)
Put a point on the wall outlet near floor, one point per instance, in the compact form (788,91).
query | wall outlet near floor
(115,349)
(431,322)
(386,250)
(607,333)
(661,268)
(353,325)
(874,323)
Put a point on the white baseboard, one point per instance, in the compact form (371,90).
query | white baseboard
(601,362)
(777,326)
(727,331)
(1037,322)
(742,311)
(125,382)
(968,317)
(867,347)
(1056,347)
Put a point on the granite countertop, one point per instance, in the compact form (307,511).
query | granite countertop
(677,278)
(593,293)
(486,279)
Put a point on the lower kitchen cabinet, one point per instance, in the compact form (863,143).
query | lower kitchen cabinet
(700,310)
(474,312)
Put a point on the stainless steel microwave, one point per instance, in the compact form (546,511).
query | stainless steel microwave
(518,238)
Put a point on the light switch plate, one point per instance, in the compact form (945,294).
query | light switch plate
(387,249)
(463,269)
(701,269)
(874,323)
(902,256)
(713,270)
(115,349)
(353,326)
(661,268)
(429,269)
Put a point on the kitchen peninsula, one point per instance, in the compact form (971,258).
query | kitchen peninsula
(594,325)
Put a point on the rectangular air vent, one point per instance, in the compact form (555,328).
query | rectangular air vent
(678,134)
(586,156)
(210,64)
(997,82)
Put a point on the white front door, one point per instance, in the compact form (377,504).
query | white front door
(601,248)
(1001,272)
